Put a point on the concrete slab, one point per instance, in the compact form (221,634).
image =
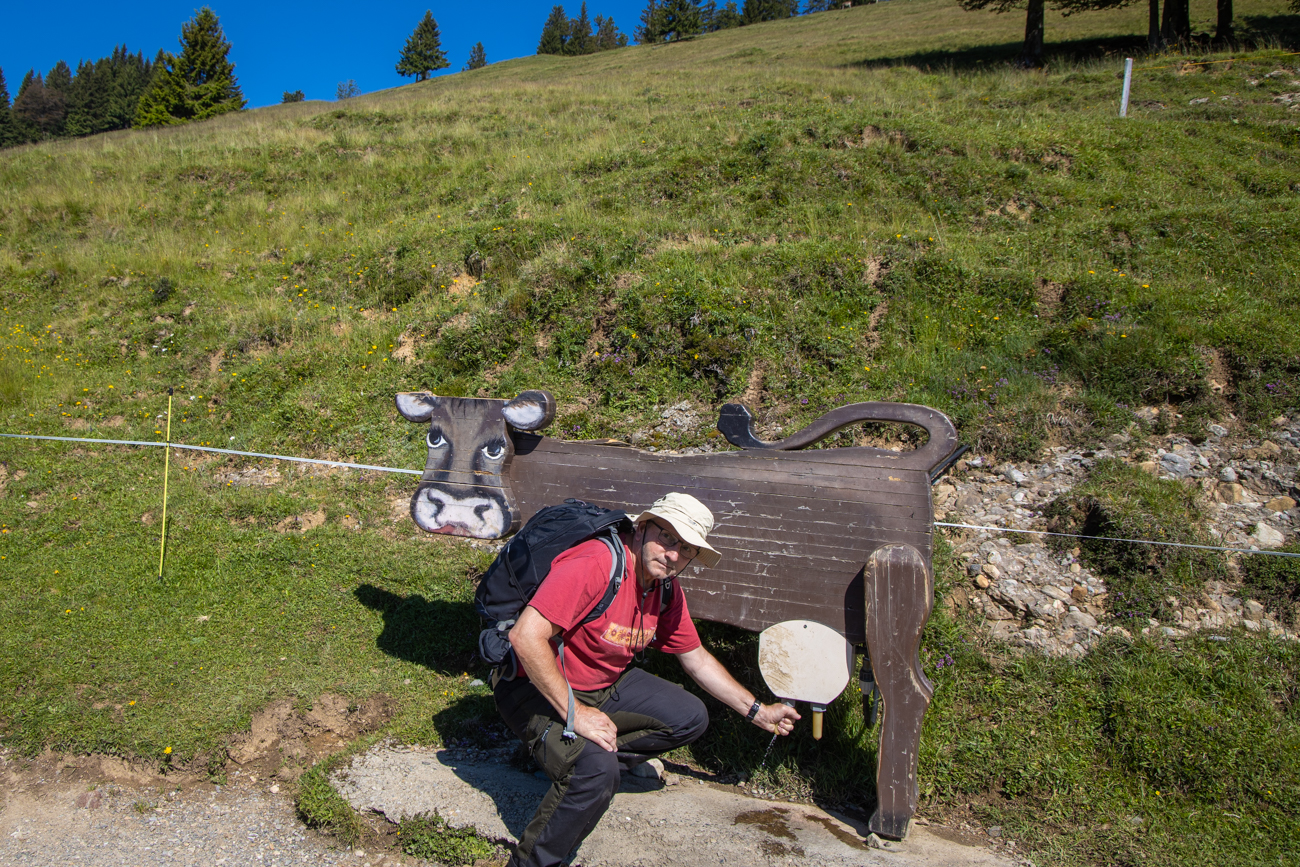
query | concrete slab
(691,823)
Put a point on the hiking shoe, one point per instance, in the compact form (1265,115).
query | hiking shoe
(652,769)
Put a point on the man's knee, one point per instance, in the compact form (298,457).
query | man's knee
(695,720)
(595,774)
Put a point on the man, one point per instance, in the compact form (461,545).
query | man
(622,717)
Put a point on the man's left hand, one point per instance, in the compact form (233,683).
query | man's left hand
(778,718)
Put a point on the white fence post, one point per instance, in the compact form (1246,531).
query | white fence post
(1128,81)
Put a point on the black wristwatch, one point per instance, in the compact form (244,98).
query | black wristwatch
(753,710)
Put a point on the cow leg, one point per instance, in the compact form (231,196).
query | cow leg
(899,590)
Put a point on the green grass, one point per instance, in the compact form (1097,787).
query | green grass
(430,838)
(1275,582)
(320,805)
(850,206)
(1122,501)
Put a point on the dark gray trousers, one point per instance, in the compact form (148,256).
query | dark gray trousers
(652,716)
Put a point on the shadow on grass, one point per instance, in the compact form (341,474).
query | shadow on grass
(1008,53)
(1255,32)
(1282,31)
(434,633)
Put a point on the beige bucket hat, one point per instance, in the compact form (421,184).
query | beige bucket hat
(691,520)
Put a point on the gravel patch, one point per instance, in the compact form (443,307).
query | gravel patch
(114,826)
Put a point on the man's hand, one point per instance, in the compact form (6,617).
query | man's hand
(776,718)
(530,638)
(718,682)
(595,727)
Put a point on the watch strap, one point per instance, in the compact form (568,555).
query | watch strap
(753,710)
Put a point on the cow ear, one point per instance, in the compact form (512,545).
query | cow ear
(531,410)
(416,405)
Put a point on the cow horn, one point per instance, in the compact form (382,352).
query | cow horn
(531,410)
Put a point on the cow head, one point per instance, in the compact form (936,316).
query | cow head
(462,492)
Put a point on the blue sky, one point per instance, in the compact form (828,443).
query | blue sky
(279,46)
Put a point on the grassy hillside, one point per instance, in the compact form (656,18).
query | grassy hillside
(849,206)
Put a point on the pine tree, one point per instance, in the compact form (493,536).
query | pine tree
(580,40)
(651,29)
(195,85)
(26,83)
(88,98)
(755,11)
(129,77)
(59,78)
(38,109)
(670,20)
(555,32)
(8,133)
(477,58)
(608,35)
(105,93)
(423,52)
(727,17)
(292,96)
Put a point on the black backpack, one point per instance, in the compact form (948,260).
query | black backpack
(525,561)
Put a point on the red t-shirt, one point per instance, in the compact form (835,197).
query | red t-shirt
(597,653)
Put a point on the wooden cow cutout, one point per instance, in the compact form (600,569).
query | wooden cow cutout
(841,536)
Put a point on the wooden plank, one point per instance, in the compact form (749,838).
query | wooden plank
(770,495)
(899,593)
(911,491)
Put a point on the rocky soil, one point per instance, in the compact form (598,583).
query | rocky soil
(1037,598)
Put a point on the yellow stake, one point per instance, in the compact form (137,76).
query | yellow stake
(167,462)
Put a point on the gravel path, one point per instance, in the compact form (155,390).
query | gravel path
(50,821)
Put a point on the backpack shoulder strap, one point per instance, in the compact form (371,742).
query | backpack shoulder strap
(617,568)
(669,587)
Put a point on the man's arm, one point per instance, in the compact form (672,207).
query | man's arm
(531,637)
(705,670)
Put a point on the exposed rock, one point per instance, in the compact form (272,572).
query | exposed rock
(1175,464)
(1267,537)
(1077,619)
(1058,594)
(1231,492)
(1045,599)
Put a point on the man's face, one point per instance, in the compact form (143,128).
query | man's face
(663,555)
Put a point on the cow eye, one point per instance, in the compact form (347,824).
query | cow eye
(435,439)
(494,451)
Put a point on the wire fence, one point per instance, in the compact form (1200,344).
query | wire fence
(353,466)
(1129,69)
